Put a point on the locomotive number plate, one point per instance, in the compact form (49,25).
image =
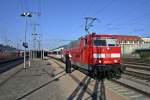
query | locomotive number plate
(108,56)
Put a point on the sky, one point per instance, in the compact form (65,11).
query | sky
(61,21)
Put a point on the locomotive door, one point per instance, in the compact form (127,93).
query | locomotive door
(82,51)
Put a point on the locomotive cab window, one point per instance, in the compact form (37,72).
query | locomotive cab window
(104,42)
(99,42)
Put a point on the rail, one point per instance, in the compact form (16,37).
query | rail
(9,64)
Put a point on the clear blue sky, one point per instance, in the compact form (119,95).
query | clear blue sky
(64,19)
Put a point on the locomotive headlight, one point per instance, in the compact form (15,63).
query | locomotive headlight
(108,48)
(100,61)
(115,61)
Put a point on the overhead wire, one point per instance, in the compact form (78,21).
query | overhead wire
(40,22)
(108,4)
(39,11)
(90,5)
(104,7)
(129,21)
(25,7)
(99,10)
(129,12)
(136,18)
(21,5)
(84,13)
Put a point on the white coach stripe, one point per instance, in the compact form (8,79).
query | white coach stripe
(115,55)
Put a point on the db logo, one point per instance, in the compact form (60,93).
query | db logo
(108,56)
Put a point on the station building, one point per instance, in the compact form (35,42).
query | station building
(128,40)
(146,39)
(129,44)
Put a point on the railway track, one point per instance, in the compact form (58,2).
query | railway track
(9,64)
(137,61)
(138,70)
(138,76)
(128,90)
(141,76)
(126,87)
(135,66)
(137,86)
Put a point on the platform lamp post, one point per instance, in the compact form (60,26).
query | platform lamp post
(25,44)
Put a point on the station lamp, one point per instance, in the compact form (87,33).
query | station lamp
(25,44)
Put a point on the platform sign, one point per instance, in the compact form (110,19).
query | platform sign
(25,45)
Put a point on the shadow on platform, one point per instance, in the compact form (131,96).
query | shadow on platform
(38,88)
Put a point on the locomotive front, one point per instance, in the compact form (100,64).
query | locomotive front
(106,55)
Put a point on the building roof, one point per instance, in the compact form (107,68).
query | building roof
(128,38)
(121,37)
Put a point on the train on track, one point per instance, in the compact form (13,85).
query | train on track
(98,56)
(8,55)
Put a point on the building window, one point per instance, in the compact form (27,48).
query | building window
(133,42)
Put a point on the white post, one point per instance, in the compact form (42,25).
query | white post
(24,58)
(29,58)
(25,41)
(33,54)
(43,54)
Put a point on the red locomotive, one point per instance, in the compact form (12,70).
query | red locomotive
(98,56)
